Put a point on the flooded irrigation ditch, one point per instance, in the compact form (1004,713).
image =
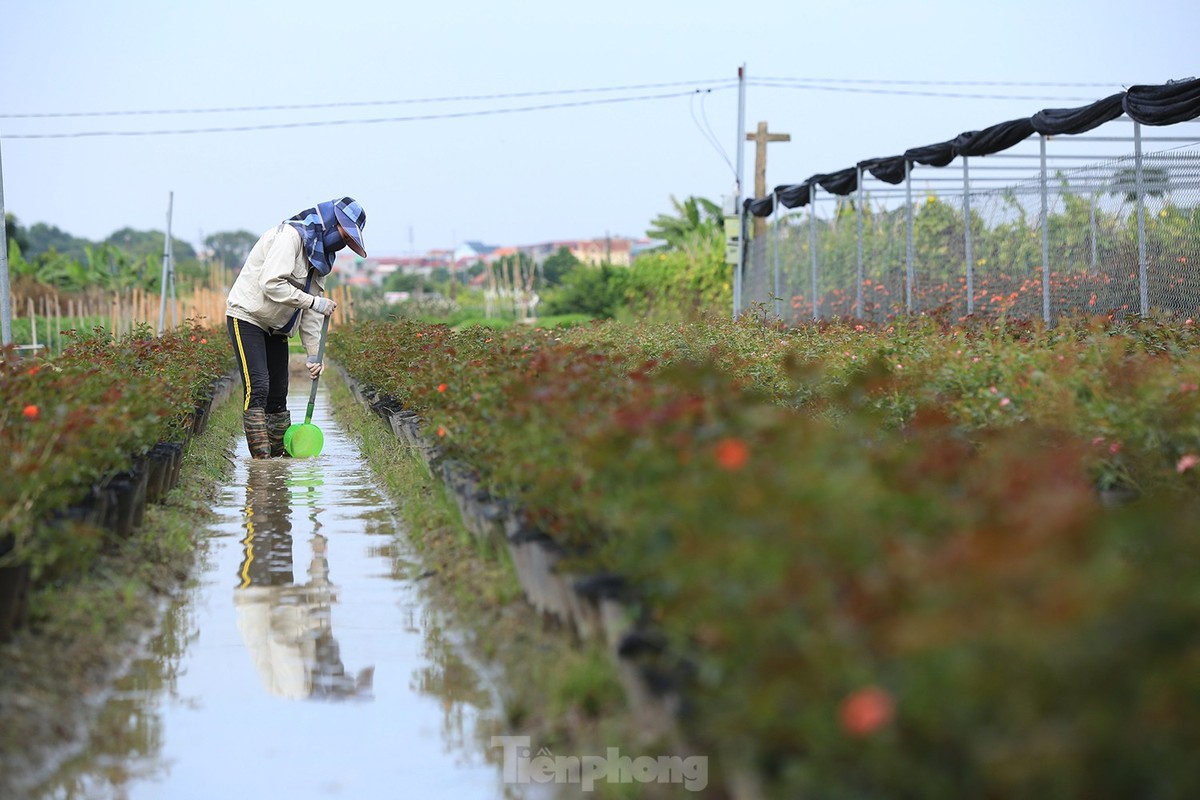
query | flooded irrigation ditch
(304,659)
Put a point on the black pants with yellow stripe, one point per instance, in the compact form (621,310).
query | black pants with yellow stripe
(263,363)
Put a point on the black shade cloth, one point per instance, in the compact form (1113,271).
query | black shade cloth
(1055,121)
(1178,101)
(843,181)
(993,138)
(933,155)
(762,207)
(889,170)
(1164,105)
(794,195)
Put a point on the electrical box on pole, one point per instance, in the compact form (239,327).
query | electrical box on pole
(733,231)
(736,211)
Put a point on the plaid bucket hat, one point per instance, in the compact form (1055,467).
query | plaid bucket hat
(352,217)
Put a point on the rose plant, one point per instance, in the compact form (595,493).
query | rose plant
(876,551)
(69,422)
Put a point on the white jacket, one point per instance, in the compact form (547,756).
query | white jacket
(270,288)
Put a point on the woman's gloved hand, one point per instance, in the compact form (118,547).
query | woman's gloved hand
(323,305)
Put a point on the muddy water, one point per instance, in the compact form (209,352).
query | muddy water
(303,662)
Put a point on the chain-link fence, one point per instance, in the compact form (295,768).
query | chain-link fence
(1050,235)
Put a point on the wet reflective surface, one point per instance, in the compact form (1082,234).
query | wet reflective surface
(304,662)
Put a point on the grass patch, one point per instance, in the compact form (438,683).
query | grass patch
(497,323)
(55,675)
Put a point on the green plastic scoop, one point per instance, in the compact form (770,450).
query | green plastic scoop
(305,440)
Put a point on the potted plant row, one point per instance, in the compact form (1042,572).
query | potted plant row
(90,437)
(834,545)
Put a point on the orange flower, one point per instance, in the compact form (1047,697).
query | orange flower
(203,341)
(32,370)
(441,387)
(731,454)
(441,431)
(865,711)
(30,412)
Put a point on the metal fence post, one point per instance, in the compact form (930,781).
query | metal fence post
(1140,186)
(908,256)
(812,240)
(166,270)
(858,298)
(967,237)
(1045,234)
(775,244)
(1092,228)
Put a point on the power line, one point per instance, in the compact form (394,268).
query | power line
(325,123)
(363,103)
(706,129)
(765,83)
(550,92)
(900,82)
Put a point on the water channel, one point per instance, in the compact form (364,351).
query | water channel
(305,659)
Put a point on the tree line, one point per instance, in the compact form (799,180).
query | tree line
(43,258)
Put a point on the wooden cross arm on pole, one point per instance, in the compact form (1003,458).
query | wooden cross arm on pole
(760,138)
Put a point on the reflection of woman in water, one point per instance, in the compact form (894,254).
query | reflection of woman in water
(287,626)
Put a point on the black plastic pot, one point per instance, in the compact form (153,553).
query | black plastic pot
(14,591)
(173,453)
(200,416)
(120,518)
(161,464)
(98,504)
(129,492)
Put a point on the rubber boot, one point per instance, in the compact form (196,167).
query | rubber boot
(277,424)
(254,422)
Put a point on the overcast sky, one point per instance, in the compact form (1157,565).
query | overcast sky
(577,171)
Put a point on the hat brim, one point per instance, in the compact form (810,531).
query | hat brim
(355,241)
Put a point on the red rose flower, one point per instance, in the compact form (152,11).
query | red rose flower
(731,454)
(865,711)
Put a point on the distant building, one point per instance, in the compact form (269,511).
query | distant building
(374,270)
(468,253)
(499,253)
(615,250)
(644,246)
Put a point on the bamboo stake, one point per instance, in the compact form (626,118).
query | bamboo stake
(32,322)
(46,316)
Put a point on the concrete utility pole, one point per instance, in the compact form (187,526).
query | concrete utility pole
(760,139)
(736,216)
(5,298)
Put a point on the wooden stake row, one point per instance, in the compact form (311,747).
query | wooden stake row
(120,312)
